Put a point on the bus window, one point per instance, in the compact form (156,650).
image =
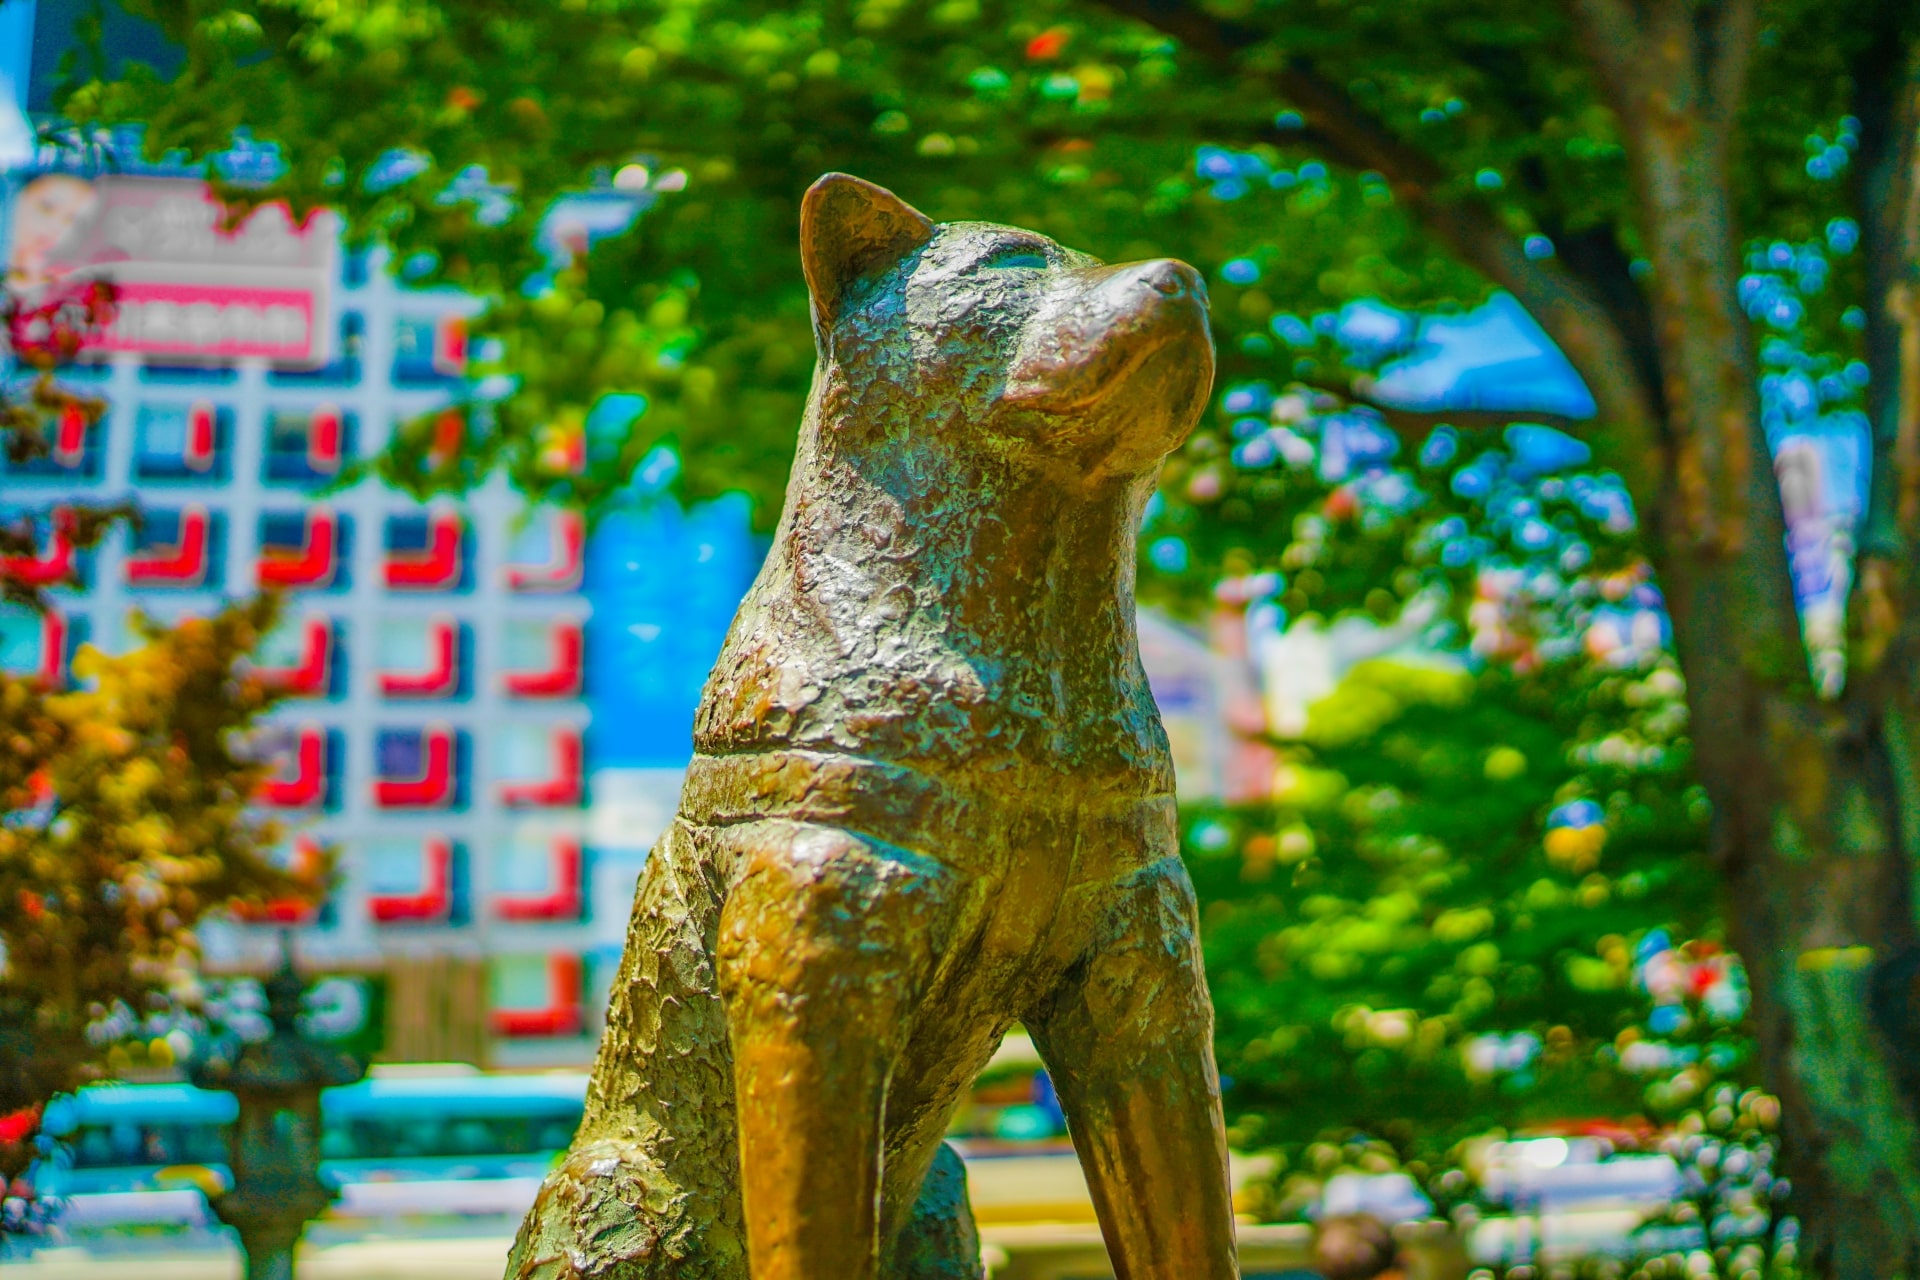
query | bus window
(473,1138)
(337,1143)
(94,1149)
(160,1145)
(123,1145)
(202,1144)
(422,1137)
(555,1135)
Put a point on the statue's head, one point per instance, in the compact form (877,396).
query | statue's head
(967,328)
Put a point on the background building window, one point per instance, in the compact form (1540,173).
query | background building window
(54,561)
(420,768)
(186,441)
(308,446)
(342,369)
(429,551)
(428,349)
(308,550)
(424,658)
(309,759)
(305,656)
(187,375)
(181,550)
(76,450)
(417,882)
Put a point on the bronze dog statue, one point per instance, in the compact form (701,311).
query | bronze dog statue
(931,796)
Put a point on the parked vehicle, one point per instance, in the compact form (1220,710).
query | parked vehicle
(397,1143)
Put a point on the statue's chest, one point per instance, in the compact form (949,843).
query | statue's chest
(937,699)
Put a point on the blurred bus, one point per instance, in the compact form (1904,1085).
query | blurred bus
(402,1142)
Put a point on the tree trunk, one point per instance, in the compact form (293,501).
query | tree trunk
(1813,819)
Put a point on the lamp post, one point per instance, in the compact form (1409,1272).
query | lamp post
(276,1186)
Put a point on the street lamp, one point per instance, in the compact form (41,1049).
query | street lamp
(276,1187)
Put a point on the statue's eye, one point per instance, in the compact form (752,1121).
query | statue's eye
(1016,258)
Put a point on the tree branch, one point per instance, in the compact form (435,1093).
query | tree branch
(1355,138)
(1886,79)
(1630,46)
(1592,254)
(1595,255)
(1614,38)
(1728,40)
(1887,104)
(1673,72)
(1414,425)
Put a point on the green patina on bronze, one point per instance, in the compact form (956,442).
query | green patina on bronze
(931,796)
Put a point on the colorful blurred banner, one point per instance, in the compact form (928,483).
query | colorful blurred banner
(187,286)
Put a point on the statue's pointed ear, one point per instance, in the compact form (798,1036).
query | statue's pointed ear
(850,230)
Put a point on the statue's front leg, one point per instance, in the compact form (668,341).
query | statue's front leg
(1128,1039)
(649,1189)
(826,945)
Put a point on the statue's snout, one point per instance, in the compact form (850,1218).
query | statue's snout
(1081,350)
(1171,278)
(1129,294)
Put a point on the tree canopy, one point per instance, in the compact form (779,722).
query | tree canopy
(1069,121)
(450,130)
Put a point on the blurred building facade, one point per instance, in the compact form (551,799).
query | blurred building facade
(440,731)
(434,653)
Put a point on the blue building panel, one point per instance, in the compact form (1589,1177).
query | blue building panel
(665,584)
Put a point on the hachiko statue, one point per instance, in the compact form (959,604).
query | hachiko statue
(932,796)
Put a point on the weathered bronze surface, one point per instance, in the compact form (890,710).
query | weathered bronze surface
(931,796)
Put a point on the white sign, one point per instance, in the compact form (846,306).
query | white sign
(188,286)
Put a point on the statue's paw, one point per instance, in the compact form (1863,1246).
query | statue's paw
(608,1212)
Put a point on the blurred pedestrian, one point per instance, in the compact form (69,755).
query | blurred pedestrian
(1356,1246)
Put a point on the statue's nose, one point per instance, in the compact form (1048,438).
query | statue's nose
(1173,278)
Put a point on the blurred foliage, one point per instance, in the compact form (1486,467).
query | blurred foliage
(1401,902)
(1057,117)
(449,130)
(1435,929)
(1408,966)
(128,820)
(126,799)
(1345,523)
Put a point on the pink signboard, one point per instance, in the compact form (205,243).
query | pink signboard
(188,286)
(211,322)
